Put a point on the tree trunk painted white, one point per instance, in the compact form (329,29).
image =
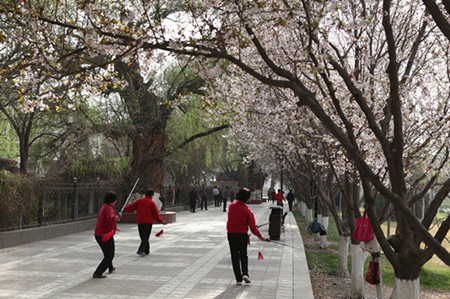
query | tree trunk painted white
(319,219)
(309,217)
(323,239)
(380,292)
(406,289)
(359,256)
(326,222)
(301,208)
(342,269)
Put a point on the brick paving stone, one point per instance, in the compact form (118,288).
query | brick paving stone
(190,260)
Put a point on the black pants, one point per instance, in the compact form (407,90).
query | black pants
(205,202)
(108,254)
(224,204)
(145,230)
(290,205)
(193,202)
(216,200)
(238,249)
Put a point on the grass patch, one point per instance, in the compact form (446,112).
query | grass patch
(323,262)
(434,275)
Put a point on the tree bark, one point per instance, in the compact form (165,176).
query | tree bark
(148,157)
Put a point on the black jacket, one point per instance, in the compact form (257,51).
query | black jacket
(193,195)
(290,196)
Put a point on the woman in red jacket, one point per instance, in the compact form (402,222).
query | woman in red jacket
(146,214)
(240,218)
(104,232)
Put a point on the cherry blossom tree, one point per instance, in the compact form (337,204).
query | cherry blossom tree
(369,73)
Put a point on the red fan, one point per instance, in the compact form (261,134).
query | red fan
(159,234)
(260,257)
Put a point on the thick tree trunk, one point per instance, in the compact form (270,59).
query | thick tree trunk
(359,256)
(406,289)
(148,156)
(24,154)
(342,269)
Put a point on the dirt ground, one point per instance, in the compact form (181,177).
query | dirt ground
(332,287)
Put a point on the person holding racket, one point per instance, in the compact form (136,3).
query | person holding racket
(146,214)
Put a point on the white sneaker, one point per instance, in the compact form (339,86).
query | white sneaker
(246,279)
(239,283)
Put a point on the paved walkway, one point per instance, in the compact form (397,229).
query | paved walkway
(190,260)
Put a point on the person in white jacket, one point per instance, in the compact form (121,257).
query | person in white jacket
(216,196)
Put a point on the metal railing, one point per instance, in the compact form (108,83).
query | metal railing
(58,203)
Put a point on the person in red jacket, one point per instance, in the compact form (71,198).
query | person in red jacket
(240,218)
(104,232)
(146,214)
(278,198)
(272,196)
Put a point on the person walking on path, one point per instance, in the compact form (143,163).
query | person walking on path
(290,198)
(226,194)
(272,195)
(232,194)
(177,194)
(146,214)
(278,198)
(193,195)
(220,197)
(204,197)
(216,196)
(104,233)
(240,218)
(269,196)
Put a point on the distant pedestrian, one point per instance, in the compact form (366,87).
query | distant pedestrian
(269,191)
(204,197)
(226,194)
(216,196)
(272,194)
(279,198)
(240,218)
(232,195)
(220,197)
(290,197)
(146,214)
(104,233)
(193,195)
(177,195)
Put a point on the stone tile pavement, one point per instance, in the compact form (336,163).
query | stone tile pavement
(190,260)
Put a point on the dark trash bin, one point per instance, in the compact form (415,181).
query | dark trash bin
(275,223)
